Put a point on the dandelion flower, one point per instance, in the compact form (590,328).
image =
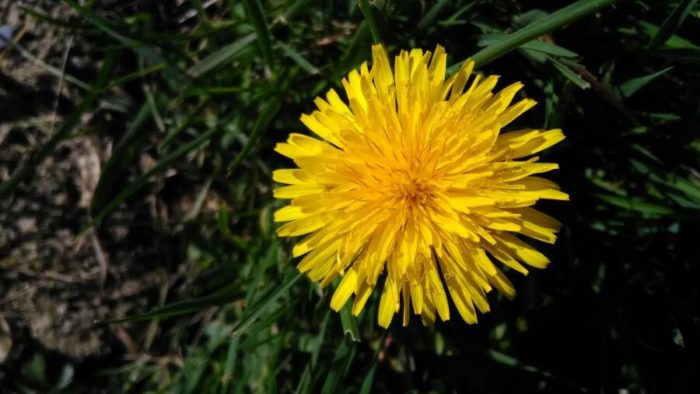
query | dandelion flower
(410,186)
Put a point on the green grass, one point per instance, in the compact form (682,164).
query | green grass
(210,95)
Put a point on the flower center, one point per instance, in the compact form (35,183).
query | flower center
(415,190)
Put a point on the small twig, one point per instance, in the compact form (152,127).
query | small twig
(69,44)
(603,90)
(126,340)
(100,256)
(50,276)
(21,294)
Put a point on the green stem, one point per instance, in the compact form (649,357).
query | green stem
(544,25)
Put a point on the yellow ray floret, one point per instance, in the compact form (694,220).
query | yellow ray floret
(411,186)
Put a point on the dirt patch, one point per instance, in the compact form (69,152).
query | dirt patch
(57,280)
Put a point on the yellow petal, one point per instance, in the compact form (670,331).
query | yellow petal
(347,286)
(297,190)
(365,290)
(387,304)
(528,142)
(290,212)
(514,111)
(525,253)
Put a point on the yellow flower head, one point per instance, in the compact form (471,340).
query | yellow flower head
(411,177)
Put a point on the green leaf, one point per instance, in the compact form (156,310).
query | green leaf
(35,370)
(368,381)
(175,131)
(628,88)
(674,41)
(140,73)
(513,362)
(230,364)
(637,204)
(339,367)
(220,56)
(432,14)
(268,112)
(686,55)
(147,52)
(349,323)
(685,186)
(193,369)
(318,342)
(688,187)
(369,18)
(215,278)
(672,23)
(298,59)
(541,26)
(569,74)
(534,45)
(184,307)
(456,18)
(256,14)
(609,187)
(304,385)
(266,300)
(502,358)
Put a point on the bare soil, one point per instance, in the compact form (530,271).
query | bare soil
(57,281)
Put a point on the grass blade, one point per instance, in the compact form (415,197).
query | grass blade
(177,308)
(569,74)
(356,52)
(270,109)
(229,365)
(541,26)
(298,59)
(122,156)
(171,135)
(339,368)
(149,54)
(455,18)
(432,13)
(672,23)
(142,72)
(256,310)
(630,87)
(158,168)
(55,71)
(534,45)
(369,18)
(637,204)
(368,381)
(255,12)
(349,323)
(223,55)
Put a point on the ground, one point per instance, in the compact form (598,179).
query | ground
(57,282)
